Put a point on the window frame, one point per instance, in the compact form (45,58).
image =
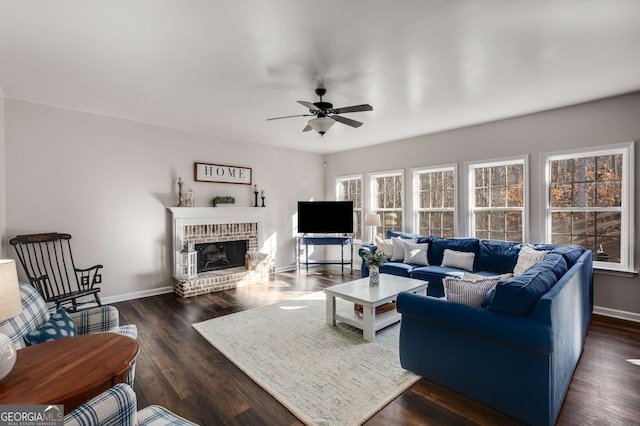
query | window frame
(416,195)
(471,199)
(360,177)
(372,196)
(626,206)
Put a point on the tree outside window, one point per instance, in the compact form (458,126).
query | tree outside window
(435,202)
(387,201)
(586,203)
(498,200)
(350,189)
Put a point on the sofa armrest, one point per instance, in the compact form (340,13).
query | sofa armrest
(114,407)
(96,320)
(522,332)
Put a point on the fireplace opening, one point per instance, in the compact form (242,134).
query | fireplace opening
(221,255)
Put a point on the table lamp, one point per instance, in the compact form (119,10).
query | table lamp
(372,220)
(10,306)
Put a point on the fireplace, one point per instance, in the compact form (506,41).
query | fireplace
(223,237)
(221,255)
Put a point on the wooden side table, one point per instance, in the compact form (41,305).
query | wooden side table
(69,371)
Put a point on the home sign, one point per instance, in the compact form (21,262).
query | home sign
(219,173)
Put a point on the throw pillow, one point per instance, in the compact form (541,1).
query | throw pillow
(475,277)
(385,246)
(416,254)
(527,258)
(59,325)
(398,243)
(468,292)
(458,259)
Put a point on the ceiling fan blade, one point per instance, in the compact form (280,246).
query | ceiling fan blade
(309,105)
(355,108)
(306,129)
(290,116)
(347,121)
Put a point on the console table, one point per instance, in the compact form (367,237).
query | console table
(325,241)
(69,371)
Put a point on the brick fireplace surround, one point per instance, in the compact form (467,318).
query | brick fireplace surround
(195,225)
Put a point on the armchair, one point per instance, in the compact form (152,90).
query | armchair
(118,407)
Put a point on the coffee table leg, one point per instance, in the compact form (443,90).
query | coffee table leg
(331,309)
(368,319)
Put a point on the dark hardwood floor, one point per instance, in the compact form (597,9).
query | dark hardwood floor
(177,368)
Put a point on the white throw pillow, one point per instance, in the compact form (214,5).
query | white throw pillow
(527,258)
(398,243)
(385,246)
(468,292)
(416,254)
(458,259)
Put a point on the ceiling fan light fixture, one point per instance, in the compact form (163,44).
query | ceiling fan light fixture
(321,124)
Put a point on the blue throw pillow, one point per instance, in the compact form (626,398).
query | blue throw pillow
(59,325)
(497,256)
(518,295)
(571,254)
(555,263)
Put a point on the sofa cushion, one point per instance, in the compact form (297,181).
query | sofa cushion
(398,244)
(396,268)
(468,291)
(519,294)
(434,274)
(555,263)
(458,259)
(571,254)
(527,258)
(497,256)
(59,326)
(416,254)
(439,245)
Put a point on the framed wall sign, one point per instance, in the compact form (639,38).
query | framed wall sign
(205,172)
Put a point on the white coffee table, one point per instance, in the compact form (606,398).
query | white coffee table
(359,291)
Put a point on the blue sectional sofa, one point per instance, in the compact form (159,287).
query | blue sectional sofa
(517,351)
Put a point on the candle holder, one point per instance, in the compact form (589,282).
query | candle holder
(255,196)
(180,201)
(262,201)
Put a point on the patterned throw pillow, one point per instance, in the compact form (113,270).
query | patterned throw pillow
(527,258)
(468,292)
(398,248)
(458,259)
(416,254)
(59,325)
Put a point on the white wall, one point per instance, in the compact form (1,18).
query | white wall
(599,123)
(108,181)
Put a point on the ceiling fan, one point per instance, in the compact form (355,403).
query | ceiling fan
(326,115)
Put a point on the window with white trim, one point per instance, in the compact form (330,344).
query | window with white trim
(387,200)
(349,188)
(589,203)
(434,201)
(497,199)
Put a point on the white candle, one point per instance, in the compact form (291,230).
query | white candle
(262,193)
(179,179)
(255,188)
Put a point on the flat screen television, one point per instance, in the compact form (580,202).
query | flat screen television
(325,217)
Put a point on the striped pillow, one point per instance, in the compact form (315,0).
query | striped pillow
(468,292)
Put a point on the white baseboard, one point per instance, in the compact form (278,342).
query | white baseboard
(615,313)
(136,295)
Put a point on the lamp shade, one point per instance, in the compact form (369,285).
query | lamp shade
(321,124)
(372,220)
(10,304)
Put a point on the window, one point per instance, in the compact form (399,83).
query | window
(497,200)
(588,203)
(387,200)
(350,189)
(434,201)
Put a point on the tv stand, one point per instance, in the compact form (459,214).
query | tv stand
(325,241)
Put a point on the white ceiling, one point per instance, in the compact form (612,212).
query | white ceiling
(222,67)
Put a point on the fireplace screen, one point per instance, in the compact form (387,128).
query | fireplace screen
(221,255)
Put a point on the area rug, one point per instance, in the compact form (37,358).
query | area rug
(324,375)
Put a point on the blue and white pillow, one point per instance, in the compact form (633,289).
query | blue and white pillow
(60,325)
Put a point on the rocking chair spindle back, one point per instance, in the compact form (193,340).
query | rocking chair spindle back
(48,262)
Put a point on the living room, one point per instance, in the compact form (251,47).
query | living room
(82,167)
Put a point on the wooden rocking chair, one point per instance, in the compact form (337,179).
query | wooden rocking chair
(48,262)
